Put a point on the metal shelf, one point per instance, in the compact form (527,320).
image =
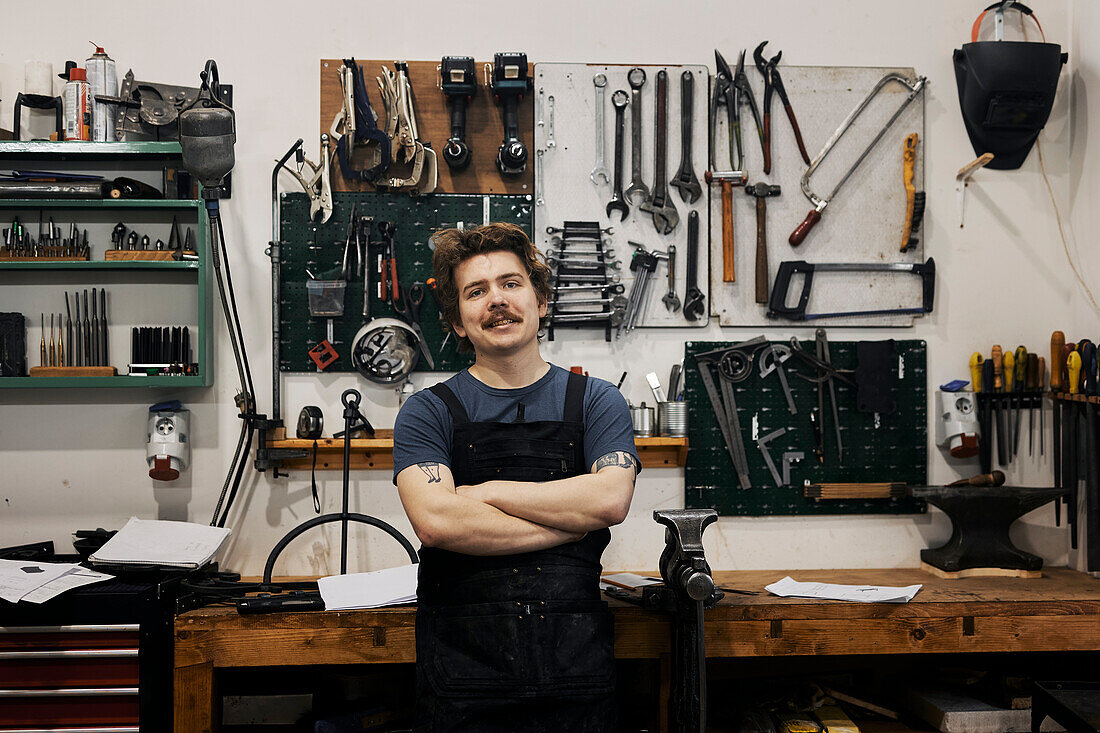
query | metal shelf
(61,150)
(100,265)
(100,204)
(86,382)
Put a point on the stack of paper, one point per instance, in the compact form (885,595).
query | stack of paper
(390,587)
(37,582)
(790,588)
(163,543)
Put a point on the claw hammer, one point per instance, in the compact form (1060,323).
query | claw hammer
(728,179)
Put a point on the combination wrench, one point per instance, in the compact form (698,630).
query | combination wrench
(670,299)
(550,122)
(599,81)
(665,216)
(618,101)
(636,79)
(685,179)
(540,185)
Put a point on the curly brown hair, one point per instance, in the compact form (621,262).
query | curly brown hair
(455,246)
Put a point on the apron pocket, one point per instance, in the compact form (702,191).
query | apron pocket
(479,649)
(575,648)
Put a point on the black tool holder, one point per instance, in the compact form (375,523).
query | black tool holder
(989,404)
(40,101)
(353,420)
(688,589)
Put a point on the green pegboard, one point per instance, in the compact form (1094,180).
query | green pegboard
(894,450)
(321,247)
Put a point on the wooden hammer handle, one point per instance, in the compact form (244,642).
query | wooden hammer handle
(729,273)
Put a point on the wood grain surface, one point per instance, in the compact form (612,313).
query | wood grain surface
(484,127)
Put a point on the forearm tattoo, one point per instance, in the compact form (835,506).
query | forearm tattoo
(618,458)
(431,470)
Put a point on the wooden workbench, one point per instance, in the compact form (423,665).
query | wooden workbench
(1058,612)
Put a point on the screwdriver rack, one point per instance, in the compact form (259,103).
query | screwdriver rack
(1018,404)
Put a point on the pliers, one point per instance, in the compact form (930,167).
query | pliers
(774,83)
(731,90)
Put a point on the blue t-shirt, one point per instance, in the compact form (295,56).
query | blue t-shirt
(422,431)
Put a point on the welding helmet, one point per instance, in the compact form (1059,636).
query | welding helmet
(1006,89)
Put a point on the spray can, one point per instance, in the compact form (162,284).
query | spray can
(78,105)
(103,79)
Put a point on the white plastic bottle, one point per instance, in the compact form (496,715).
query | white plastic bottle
(77,104)
(103,79)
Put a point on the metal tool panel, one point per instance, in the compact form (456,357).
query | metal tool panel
(862,224)
(569,194)
(416,220)
(895,451)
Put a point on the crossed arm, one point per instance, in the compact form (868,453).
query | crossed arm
(504,517)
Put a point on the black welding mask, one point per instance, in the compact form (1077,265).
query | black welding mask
(1006,90)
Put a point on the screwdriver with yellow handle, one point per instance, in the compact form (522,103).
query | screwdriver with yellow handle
(997,356)
(1073,367)
(1008,362)
(1019,379)
(976,371)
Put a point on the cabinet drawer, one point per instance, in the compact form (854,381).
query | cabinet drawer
(84,668)
(69,707)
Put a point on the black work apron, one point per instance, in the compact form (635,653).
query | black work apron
(515,642)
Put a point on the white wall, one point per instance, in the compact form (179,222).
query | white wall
(72,459)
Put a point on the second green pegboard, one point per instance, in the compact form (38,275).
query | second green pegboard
(320,248)
(877,448)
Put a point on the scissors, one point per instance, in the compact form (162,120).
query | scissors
(408,308)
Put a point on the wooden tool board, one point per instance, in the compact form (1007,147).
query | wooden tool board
(894,450)
(484,127)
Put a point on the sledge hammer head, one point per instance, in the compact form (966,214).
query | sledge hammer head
(762,190)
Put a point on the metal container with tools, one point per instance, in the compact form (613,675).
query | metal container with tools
(641,417)
(672,419)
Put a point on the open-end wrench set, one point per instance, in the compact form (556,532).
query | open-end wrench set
(787,427)
(589,169)
(586,292)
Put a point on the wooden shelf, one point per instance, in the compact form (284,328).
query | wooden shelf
(376,454)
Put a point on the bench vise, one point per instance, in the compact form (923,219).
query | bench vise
(688,589)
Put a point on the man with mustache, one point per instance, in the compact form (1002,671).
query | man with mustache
(511,472)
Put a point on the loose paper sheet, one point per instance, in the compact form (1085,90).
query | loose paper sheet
(18,577)
(788,587)
(389,587)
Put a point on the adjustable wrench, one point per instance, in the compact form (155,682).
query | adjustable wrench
(636,79)
(693,299)
(685,179)
(665,216)
(619,102)
(670,299)
(599,81)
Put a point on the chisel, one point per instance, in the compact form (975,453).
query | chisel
(60,343)
(68,332)
(1032,382)
(79,333)
(985,417)
(53,350)
(997,356)
(95,333)
(1057,341)
(87,332)
(1092,460)
(103,327)
(1069,435)
(1008,362)
(1041,388)
(1019,379)
(42,346)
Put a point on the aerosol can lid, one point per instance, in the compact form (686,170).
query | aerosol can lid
(78,74)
